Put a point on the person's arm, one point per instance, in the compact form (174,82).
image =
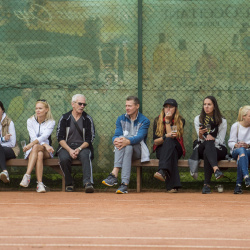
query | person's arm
(10,138)
(233,136)
(222,130)
(118,129)
(200,132)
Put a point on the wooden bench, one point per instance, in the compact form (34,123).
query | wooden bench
(53,163)
(181,163)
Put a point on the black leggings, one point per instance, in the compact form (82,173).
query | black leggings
(211,155)
(6,153)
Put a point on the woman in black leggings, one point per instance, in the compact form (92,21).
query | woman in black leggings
(8,146)
(211,129)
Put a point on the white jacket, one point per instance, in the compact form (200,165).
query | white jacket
(40,132)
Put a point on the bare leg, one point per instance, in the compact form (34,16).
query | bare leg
(39,164)
(33,157)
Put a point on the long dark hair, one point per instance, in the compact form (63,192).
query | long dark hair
(2,107)
(217,114)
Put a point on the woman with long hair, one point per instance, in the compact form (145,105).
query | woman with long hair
(211,129)
(239,144)
(8,145)
(40,127)
(168,143)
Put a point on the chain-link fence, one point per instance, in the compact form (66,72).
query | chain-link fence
(53,49)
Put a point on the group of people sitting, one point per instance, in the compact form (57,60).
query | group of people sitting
(76,132)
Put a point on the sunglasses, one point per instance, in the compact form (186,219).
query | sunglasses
(82,104)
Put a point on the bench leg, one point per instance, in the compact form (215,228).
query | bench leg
(139,178)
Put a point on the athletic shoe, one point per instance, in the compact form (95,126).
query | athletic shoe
(110,181)
(173,190)
(206,189)
(238,189)
(25,181)
(218,174)
(40,187)
(89,188)
(4,176)
(123,189)
(160,175)
(69,189)
(247,182)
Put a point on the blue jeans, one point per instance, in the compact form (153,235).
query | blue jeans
(242,163)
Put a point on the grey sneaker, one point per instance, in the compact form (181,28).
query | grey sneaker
(238,189)
(4,176)
(218,174)
(40,188)
(247,182)
(206,189)
(69,189)
(25,181)
(110,181)
(89,188)
(123,189)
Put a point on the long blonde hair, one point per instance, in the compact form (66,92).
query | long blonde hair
(49,115)
(177,121)
(242,112)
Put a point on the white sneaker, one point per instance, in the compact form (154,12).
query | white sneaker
(4,176)
(40,188)
(25,181)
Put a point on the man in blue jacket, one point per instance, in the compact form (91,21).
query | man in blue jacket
(130,143)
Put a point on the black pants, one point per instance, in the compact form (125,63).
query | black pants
(211,155)
(6,153)
(168,155)
(66,160)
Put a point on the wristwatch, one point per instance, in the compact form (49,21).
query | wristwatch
(163,137)
(80,148)
(167,122)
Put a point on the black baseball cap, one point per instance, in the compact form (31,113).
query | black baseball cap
(171,102)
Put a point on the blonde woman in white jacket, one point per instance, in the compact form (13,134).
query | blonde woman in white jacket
(40,127)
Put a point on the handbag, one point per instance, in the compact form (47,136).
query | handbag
(194,161)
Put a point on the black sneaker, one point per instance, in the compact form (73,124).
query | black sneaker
(206,189)
(89,188)
(123,189)
(160,175)
(218,174)
(238,189)
(110,181)
(247,182)
(69,189)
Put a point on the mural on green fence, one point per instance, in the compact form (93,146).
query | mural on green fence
(53,49)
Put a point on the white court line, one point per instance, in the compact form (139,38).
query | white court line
(221,219)
(47,218)
(118,237)
(121,245)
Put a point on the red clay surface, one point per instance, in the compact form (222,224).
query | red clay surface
(148,220)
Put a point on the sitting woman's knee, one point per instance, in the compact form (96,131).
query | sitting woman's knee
(40,156)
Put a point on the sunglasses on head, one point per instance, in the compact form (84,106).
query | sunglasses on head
(41,100)
(82,104)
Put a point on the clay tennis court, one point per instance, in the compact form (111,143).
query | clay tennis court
(104,220)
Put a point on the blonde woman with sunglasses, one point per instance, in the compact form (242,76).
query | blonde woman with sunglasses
(40,127)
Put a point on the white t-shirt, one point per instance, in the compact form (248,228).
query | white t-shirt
(243,134)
